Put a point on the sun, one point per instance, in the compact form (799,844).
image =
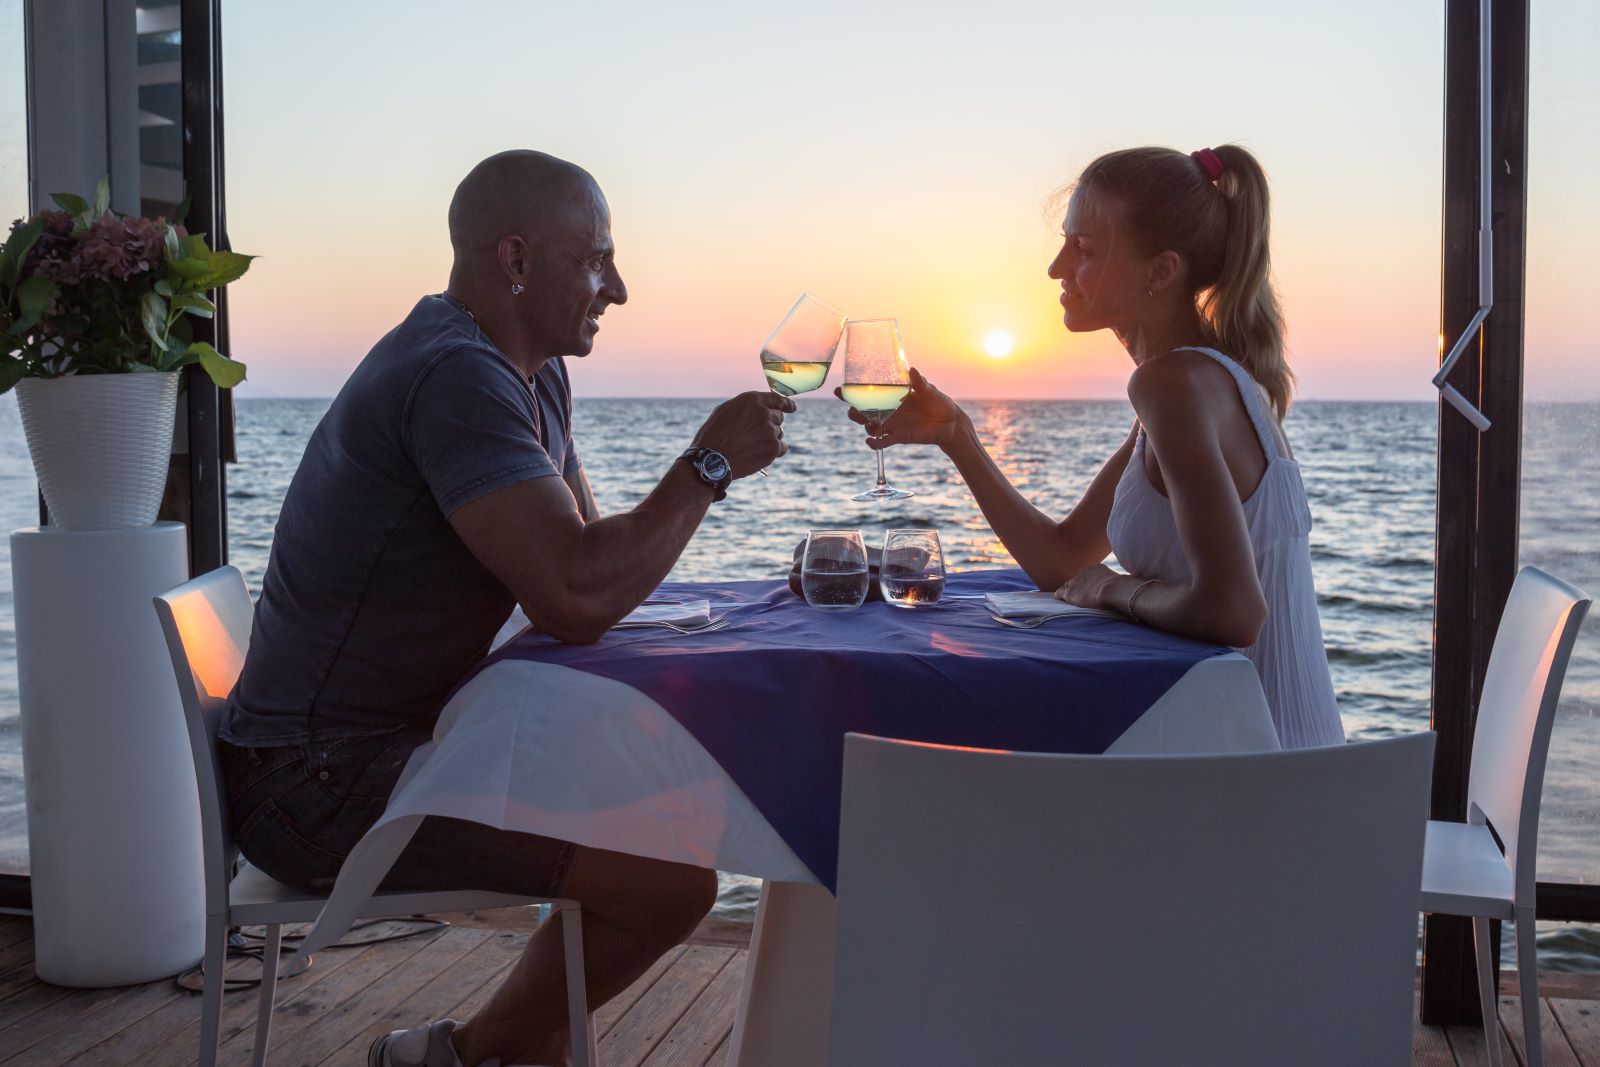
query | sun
(998,344)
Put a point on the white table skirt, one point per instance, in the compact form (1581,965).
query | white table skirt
(506,748)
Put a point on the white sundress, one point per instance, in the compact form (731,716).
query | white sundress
(1289,654)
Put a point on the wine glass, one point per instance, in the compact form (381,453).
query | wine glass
(797,355)
(876,379)
(833,571)
(912,571)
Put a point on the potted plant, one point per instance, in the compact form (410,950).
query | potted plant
(94,310)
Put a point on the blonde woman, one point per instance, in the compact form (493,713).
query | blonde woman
(1203,504)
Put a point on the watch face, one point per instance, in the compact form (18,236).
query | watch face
(715,466)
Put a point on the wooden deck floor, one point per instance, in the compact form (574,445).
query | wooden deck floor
(680,1013)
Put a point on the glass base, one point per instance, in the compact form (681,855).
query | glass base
(883,492)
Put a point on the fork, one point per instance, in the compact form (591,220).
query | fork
(1027,622)
(707,627)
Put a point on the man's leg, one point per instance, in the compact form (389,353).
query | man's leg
(634,910)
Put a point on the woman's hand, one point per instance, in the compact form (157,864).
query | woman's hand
(925,417)
(1090,588)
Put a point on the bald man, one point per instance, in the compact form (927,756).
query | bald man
(441,490)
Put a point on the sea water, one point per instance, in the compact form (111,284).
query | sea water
(1369,471)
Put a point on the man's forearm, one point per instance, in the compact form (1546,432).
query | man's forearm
(622,558)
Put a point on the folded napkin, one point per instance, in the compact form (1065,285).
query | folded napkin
(678,612)
(1032,603)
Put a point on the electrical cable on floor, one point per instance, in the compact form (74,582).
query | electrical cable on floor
(243,943)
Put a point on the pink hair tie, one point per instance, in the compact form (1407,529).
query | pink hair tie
(1210,161)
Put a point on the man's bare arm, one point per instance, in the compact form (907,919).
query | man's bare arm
(575,578)
(578,482)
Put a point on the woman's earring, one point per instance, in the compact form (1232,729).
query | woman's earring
(1150,293)
(516,289)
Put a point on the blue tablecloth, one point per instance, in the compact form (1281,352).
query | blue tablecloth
(772,696)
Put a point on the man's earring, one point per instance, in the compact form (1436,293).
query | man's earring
(1150,293)
(516,289)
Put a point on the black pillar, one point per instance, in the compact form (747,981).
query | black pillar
(1479,474)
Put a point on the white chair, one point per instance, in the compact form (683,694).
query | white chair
(1463,871)
(1025,908)
(207,626)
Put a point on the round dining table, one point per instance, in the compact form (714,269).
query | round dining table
(724,749)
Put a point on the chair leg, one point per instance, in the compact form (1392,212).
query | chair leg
(215,959)
(1528,981)
(1483,949)
(580,1024)
(269,990)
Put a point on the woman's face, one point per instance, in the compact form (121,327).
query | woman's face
(1103,278)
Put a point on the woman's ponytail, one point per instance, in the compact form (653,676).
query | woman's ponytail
(1241,307)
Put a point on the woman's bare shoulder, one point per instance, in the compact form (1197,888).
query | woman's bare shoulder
(1171,383)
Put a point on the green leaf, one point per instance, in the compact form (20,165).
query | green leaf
(71,203)
(193,246)
(182,213)
(15,252)
(153,314)
(189,268)
(164,287)
(11,372)
(33,296)
(102,196)
(173,250)
(225,372)
(195,304)
(222,268)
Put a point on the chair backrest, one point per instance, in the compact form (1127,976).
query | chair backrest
(207,625)
(998,907)
(1516,712)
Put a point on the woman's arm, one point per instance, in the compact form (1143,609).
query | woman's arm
(1050,552)
(1222,602)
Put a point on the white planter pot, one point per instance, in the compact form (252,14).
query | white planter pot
(101,445)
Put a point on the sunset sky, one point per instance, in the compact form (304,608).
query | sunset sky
(894,159)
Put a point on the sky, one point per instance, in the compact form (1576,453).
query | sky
(894,159)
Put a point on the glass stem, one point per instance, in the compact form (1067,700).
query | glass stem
(882,481)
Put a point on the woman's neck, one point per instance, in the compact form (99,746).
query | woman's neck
(1162,330)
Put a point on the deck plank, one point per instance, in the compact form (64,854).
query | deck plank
(678,1014)
(15,928)
(313,1036)
(63,1030)
(1429,1046)
(719,1055)
(639,1031)
(439,994)
(171,1034)
(706,1024)
(1470,1051)
(612,1011)
(317,1000)
(1580,1021)
(1557,1052)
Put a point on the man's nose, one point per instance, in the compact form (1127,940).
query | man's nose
(613,289)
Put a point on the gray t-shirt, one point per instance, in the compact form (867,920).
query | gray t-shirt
(372,608)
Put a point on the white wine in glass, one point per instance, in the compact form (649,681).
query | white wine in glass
(796,357)
(876,379)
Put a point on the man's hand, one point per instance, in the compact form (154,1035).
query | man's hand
(748,430)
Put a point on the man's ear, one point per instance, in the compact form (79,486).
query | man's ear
(516,258)
(1166,268)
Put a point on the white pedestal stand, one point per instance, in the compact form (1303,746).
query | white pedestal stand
(113,815)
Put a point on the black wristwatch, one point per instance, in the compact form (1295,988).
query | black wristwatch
(712,467)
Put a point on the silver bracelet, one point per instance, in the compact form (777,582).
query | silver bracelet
(1135,596)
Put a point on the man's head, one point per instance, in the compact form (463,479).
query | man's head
(528,219)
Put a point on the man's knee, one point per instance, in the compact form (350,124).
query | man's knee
(652,898)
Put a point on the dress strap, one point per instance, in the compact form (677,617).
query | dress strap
(1251,393)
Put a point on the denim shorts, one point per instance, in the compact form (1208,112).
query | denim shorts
(297,811)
